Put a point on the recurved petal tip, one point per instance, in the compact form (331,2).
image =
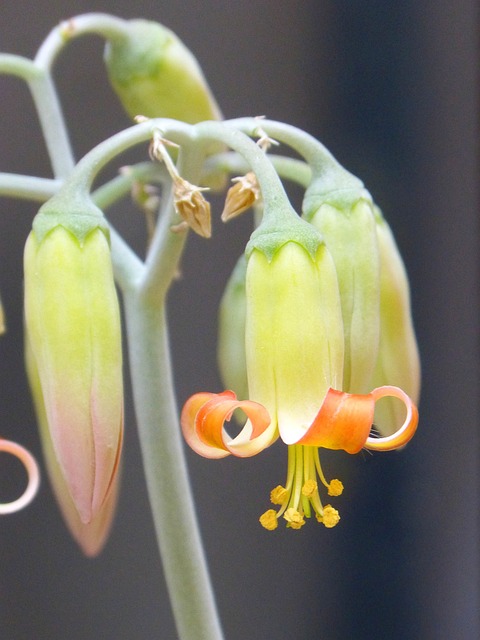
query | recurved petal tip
(33,474)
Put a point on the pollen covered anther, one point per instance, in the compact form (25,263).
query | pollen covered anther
(335,488)
(330,517)
(309,488)
(278,495)
(294,518)
(269,520)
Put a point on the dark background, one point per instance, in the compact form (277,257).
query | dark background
(391,89)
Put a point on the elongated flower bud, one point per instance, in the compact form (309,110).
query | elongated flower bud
(231,332)
(398,361)
(350,236)
(156,76)
(73,326)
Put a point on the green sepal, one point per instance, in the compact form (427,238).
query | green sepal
(336,187)
(273,233)
(138,52)
(80,216)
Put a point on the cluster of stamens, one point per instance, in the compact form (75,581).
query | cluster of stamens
(300,498)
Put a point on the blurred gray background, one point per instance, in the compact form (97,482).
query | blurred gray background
(391,89)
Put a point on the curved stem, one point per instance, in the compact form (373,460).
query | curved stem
(277,205)
(330,181)
(101,24)
(94,161)
(166,473)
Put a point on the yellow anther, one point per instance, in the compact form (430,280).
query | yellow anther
(335,488)
(309,488)
(278,495)
(268,520)
(294,518)
(330,517)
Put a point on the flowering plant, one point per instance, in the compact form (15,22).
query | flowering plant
(315,324)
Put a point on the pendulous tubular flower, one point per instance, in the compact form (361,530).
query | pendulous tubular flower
(295,356)
(231,331)
(74,361)
(398,361)
(350,235)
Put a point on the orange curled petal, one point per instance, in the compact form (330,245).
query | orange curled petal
(405,433)
(188,424)
(203,418)
(31,468)
(343,422)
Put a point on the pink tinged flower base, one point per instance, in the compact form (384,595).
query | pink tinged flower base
(90,536)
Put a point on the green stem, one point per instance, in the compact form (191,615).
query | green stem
(28,187)
(288,168)
(145,172)
(53,125)
(166,473)
(48,109)
(18,66)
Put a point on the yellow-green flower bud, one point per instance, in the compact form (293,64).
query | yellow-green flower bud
(350,236)
(398,361)
(294,334)
(156,76)
(231,332)
(73,326)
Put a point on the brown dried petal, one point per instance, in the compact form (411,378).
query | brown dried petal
(241,196)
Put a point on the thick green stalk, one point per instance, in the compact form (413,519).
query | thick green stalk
(166,473)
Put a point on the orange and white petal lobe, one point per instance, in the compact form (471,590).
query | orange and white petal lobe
(406,431)
(203,418)
(344,422)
